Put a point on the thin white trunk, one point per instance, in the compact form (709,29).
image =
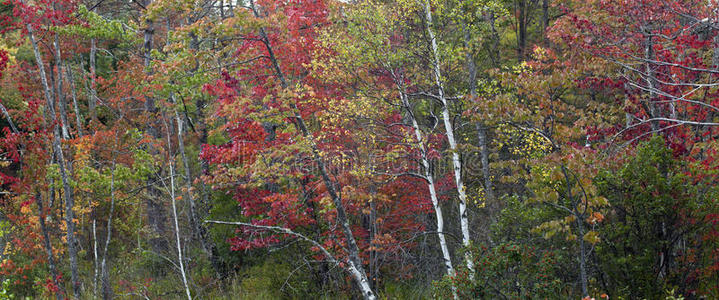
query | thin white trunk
(446,256)
(105,276)
(430,184)
(8,119)
(92,102)
(60,96)
(654,110)
(40,66)
(78,128)
(73,92)
(69,213)
(197,230)
(94,252)
(174,210)
(437,208)
(67,189)
(456,163)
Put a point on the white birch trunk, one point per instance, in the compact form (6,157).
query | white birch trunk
(446,256)
(73,92)
(174,211)
(361,279)
(92,101)
(105,276)
(456,163)
(60,96)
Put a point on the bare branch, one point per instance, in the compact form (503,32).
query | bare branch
(9,119)
(281,230)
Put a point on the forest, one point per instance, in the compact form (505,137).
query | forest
(359,149)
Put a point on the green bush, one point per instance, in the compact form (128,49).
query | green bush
(506,271)
(656,213)
(4,290)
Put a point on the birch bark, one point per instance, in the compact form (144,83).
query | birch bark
(446,255)
(456,162)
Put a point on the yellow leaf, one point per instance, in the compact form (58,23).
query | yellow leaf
(591,237)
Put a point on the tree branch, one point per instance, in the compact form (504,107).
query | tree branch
(281,230)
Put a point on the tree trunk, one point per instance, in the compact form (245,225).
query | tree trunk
(582,258)
(59,95)
(78,119)
(321,273)
(69,213)
(93,215)
(201,210)
(106,287)
(494,51)
(371,226)
(481,129)
(654,111)
(484,153)
(62,106)
(579,217)
(95,257)
(196,227)
(354,263)
(222,9)
(8,119)
(429,177)
(522,30)
(61,132)
(156,215)
(545,21)
(48,245)
(56,144)
(456,162)
(174,207)
(92,101)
